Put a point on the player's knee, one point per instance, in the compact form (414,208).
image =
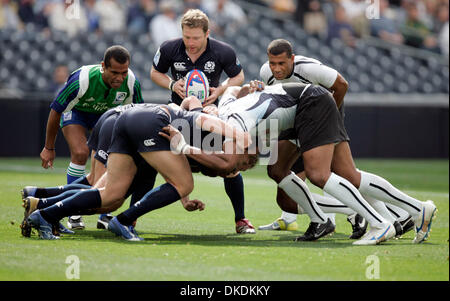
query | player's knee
(80,154)
(185,188)
(276,173)
(317,177)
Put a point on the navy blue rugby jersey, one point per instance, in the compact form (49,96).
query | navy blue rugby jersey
(217,57)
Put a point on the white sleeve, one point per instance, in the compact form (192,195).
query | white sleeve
(265,73)
(319,74)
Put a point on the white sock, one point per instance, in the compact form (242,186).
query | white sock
(297,190)
(345,192)
(380,189)
(380,207)
(330,205)
(288,217)
(397,212)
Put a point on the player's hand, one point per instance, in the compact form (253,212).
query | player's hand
(47,157)
(177,142)
(192,205)
(214,93)
(256,85)
(179,88)
(211,110)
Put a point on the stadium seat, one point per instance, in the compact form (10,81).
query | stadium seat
(367,68)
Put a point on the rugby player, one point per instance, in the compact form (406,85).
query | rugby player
(88,93)
(197,50)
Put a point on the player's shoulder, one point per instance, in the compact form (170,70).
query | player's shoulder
(300,59)
(220,48)
(214,43)
(171,45)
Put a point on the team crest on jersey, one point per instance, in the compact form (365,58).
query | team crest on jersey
(179,66)
(209,67)
(120,97)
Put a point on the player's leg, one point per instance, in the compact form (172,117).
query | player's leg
(75,135)
(422,213)
(317,166)
(298,191)
(234,187)
(179,183)
(379,189)
(121,170)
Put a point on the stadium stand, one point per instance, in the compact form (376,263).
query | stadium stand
(393,88)
(29,55)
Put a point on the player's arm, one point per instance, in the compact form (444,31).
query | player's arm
(166,82)
(224,163)
(137,93)
(161,64)
(65,96)
(48,152)
(229,82)
(339,89)
(328,78)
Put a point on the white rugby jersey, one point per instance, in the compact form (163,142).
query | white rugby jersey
(306,70)
(273,103)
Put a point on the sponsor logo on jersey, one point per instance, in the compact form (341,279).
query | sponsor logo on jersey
(149,142)
(120,97)
(90,99)
(179,66)
(210,66)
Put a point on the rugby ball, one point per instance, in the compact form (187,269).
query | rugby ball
(197,85)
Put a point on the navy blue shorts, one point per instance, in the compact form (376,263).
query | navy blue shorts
(87,120)
(100,138)
(136,131)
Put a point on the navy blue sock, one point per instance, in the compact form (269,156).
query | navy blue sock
(234,188)
(82,203)
(158,197)
(47,202)
(82,180)
(54,191)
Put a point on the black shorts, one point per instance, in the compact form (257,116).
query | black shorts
(100,138)
(136,131)
(318,120)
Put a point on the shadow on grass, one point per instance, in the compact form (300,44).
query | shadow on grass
(337,240)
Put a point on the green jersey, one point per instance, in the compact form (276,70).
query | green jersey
(85,91)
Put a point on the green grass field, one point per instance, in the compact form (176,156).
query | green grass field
(188,246)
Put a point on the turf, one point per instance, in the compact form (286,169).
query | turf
(181,245)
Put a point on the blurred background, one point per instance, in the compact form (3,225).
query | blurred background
(393,53)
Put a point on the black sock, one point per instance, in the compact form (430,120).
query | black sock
(234,188)
(54,191)
(47,202)
(83,203)
(82,180)
(158,197)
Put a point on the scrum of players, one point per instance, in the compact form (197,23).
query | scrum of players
(298,100)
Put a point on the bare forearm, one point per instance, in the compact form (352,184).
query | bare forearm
(52,129)
(160,79)
(219,162)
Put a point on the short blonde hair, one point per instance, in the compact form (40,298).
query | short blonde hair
(195,18)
